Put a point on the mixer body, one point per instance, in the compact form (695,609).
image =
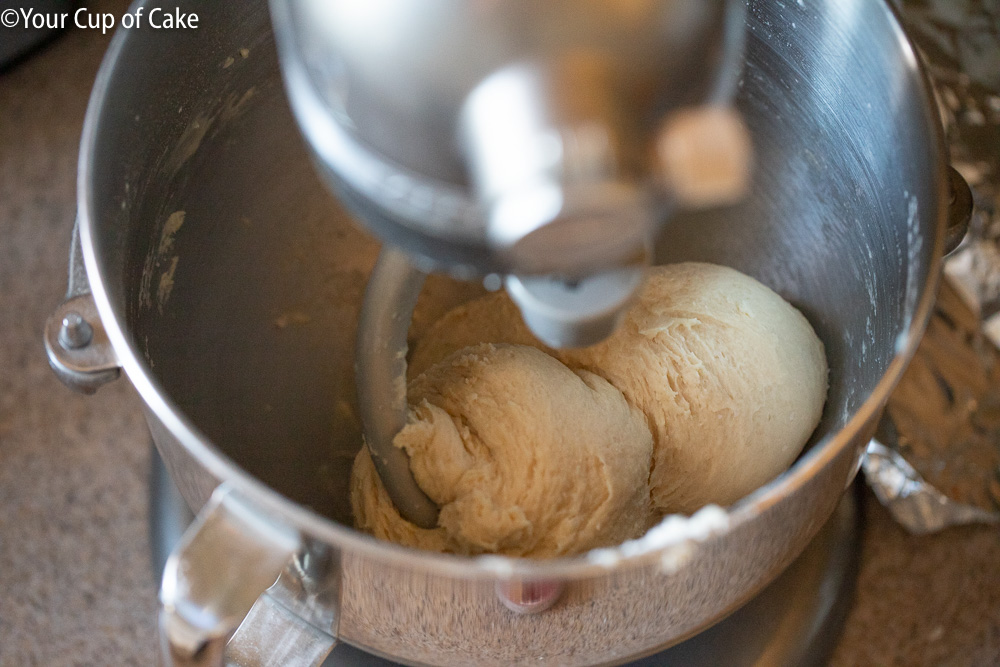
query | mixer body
(513,138)
(468,126)
(239,330)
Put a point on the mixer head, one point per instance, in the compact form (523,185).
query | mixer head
(547,142)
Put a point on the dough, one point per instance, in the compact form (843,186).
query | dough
(524,456)
(731,378)
(492,318)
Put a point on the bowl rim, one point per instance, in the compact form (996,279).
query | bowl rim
(272,503)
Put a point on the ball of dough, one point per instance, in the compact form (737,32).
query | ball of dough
(524,456)
(731,378)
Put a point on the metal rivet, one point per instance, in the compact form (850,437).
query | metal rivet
(75,332)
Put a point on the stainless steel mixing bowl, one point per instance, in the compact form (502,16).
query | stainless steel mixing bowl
(227,283)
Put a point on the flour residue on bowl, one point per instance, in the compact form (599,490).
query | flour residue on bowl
(161,259)
(170,229)
(676,536)
(190,140)
(166,285)
(914,244)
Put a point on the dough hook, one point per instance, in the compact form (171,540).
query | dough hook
(561,314)
(380,369)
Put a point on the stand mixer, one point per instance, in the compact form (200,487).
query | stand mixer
(239,328)
(546,143)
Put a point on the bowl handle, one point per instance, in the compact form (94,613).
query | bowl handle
(235,567)
(77,346)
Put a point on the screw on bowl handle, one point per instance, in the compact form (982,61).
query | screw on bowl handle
(221,576)
(77,346)
(960,209)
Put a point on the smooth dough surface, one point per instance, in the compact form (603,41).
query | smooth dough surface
(730,377)
(524,456)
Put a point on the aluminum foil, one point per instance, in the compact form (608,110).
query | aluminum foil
(913,502)
(935,461)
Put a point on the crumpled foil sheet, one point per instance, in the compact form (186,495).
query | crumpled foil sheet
(935,461)
(913,502)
